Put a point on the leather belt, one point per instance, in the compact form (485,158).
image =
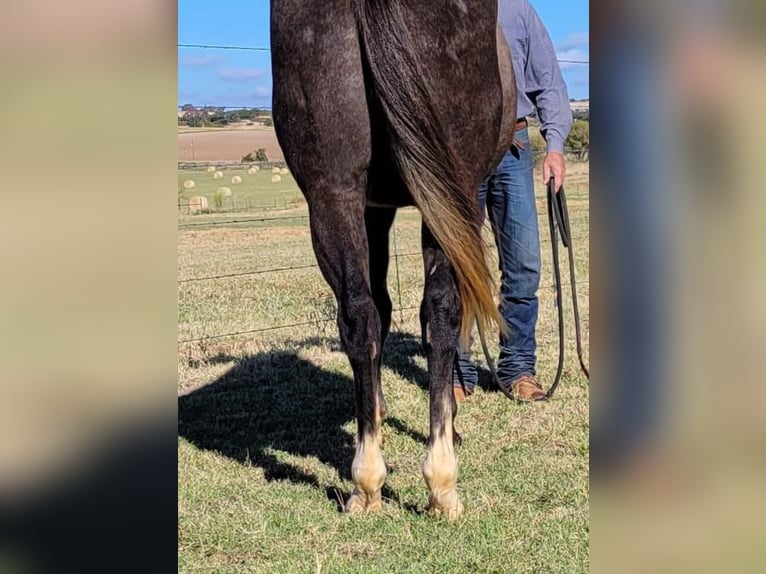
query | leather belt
(521,124)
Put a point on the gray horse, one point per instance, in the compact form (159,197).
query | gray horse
(380,104)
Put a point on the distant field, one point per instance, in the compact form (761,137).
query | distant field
(265,419)
(222,144)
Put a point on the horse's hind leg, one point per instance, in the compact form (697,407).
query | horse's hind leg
(340,243)
(441,313)
(378,222)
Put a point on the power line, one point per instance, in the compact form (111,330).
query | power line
(219,47)
(264,49)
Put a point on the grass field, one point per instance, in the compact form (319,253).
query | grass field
(255,192)
(266,419)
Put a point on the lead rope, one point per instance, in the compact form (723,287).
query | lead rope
(558,218)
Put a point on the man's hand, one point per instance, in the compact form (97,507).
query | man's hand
(554,165)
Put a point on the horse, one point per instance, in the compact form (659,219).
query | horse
(382,104)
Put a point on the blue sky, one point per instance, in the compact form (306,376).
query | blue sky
(243,78)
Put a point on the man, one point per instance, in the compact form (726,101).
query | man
(509,194)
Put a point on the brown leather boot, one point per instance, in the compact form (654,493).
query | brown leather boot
(459,393)
(526,388)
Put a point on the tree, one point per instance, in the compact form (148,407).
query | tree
(579,139)
(195,120)
(258,155)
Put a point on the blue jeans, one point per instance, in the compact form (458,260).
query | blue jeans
(509,196)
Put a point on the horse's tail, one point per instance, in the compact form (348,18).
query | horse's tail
(426,160)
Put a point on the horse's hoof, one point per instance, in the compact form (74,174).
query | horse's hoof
(361,503)
(446,504)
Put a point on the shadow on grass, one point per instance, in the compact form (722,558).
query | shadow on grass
(399,356)
(270,402)
(276,401)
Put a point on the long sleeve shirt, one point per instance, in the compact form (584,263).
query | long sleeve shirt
(538,76)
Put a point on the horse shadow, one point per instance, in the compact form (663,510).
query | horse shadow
(400,356)
(277,401)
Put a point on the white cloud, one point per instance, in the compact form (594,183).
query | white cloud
(577,40)
(572,55)
(574,48)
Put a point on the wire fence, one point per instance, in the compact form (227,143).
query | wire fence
(330,316)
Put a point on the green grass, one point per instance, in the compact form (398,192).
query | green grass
(256,192)
(266,423)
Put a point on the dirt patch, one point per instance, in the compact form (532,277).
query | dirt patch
(227,145)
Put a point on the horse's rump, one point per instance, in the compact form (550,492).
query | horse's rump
(434,71)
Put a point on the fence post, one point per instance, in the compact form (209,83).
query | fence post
(398,282)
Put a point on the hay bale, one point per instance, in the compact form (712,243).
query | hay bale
(276,178)
(197,204)
(218,175)
(253,170)
(189,184)
(236,179)
(224,191)
(284,171)
(275,170)
(210,169)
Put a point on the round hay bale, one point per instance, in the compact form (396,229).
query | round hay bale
(284,171)
(224,191)
(236,179)
(218,175)
(197,204)
(189,184)
(253,170)
(210,169)
(275,170)
(276,178)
